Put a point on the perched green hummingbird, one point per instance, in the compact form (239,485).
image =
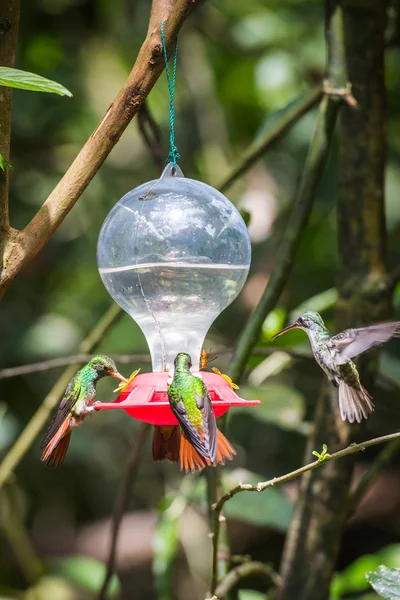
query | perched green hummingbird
(202,443)
(333,353)
(76,404)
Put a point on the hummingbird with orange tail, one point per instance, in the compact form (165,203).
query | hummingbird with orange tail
(202,444)
(78,401)
(167,438)
(333,353)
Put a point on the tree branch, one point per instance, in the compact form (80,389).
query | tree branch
(9,21)
(322,506)
(121,501)
(264,485)
(32,429)
(247,569)
(22,246)
(290,116)
(126,359)
(53,363)
(315,163)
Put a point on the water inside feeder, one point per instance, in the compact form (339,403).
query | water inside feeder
(175,303)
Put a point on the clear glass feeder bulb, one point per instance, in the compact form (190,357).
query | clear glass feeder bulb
(173,253)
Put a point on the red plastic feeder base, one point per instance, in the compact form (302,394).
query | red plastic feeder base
(146,398)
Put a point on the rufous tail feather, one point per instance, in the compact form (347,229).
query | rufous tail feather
(191,460)
(166,441)
(355,403)
(54,453)
(224,449)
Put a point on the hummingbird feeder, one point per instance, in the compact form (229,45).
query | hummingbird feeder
(173,253)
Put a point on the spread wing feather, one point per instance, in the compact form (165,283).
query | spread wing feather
(70,398)
(352,342)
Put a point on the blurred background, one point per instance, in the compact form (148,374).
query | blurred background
(239,64)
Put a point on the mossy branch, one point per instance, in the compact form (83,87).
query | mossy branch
(258,148)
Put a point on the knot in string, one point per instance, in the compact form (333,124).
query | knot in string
(173,155)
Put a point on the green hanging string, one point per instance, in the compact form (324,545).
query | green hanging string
(173,155)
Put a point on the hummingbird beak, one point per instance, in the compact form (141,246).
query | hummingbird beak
(118,376)
(294,325)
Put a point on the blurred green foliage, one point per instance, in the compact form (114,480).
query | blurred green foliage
(239,64)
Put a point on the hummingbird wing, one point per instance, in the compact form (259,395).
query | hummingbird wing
(352,342)
(203,402)
(203,439)
(65,407)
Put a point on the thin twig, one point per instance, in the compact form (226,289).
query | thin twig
(53,363)
(290,116)
(22,246)
(264,485)
(127,359)
(247,569)
(121,501)
(32,429)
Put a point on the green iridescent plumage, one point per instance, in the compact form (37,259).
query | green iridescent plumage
(333,353)
(75,405)
(191,404)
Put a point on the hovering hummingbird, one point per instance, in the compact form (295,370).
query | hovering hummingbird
(75,405)
(202,443)
(333,353)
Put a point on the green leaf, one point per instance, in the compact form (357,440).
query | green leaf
(324,454)
(85,572)
(385,581)
(4,164)
(24,80)
(269,509)
(352,579)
